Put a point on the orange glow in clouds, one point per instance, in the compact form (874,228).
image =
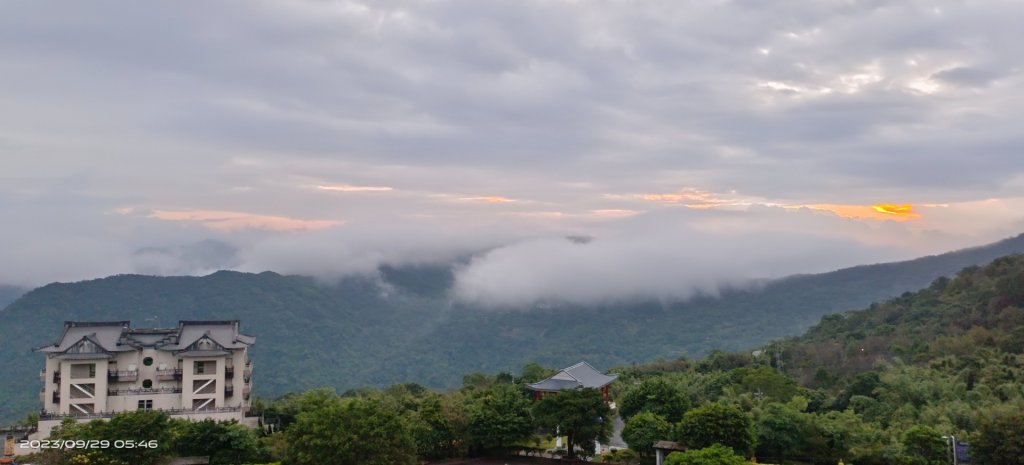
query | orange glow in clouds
(488,199)
(889,209)
(233,221)
(876,212)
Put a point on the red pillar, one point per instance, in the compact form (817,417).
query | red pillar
(536,395)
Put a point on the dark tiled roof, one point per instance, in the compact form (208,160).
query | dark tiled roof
(580,375)
(104,334)
(588,376)
(554,385)
(118,336)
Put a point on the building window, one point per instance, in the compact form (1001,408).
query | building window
(147,383)
(148,361)
(83,370)
(198,367)
(146,404)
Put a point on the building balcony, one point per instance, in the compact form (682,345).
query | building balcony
(229,372)
(55,397)
(246,391)
(247,372)
(171,412)
(169,374)
(122,376)
(229,391)
(42,375)
(143,391)
(56,377)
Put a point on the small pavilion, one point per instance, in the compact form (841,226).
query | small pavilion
(578,376)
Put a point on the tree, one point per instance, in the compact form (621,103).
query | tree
(477,380)
(349,432)
(581,414)
(924,445)
(145,427)
(1000,438)
(533,372)
(31,419)
(836,435)
(656,396)
(499,417)
(767,382)
(778,430)
(643,430)
(716,454)
(225,442)
(288,407)
(439,428)
(138,426)
(717,423)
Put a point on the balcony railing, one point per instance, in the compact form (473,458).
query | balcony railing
(123,375)
(55,397)
(246,390)
(143,391)
(229,371)
(58,416)
(56,377)
(169,374)
(247,372)
(229,391)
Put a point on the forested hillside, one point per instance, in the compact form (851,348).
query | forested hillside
(403,326)
(9,294)
(876,386)
(887,385)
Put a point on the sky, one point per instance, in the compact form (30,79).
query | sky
(573,150)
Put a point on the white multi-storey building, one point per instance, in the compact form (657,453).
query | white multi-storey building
(198,370)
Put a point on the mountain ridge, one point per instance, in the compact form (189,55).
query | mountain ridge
(402,325)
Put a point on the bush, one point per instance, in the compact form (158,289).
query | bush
(714,455)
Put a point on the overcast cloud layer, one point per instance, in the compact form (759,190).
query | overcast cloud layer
(698,143)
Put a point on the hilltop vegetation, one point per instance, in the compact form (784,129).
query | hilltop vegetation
(874,386)
(873,402)
(404,325)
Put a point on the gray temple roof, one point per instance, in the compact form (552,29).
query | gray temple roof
(103,334)
(81,338)
(224,333)
(580,375)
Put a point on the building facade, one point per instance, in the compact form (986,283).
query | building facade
(198,370)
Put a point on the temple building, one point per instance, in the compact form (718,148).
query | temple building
(579,376)
(197,370)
